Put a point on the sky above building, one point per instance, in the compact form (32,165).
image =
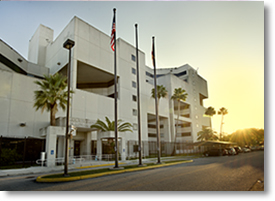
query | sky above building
(224,41)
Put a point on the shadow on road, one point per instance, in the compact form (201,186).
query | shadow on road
(254,159)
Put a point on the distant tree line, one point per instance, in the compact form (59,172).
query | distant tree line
(249,136)
(243,137)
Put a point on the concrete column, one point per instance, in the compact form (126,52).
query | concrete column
(172,121)
(99,148)
(71,147)
(88,143)
(50,148)
(166,129)
(123,149)
(74,71)
(61,147)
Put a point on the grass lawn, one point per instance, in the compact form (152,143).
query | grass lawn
(104,170)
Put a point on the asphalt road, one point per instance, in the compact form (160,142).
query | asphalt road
(227,173)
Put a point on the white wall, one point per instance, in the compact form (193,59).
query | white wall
(16,105)
(38,43)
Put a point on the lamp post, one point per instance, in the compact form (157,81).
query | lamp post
(138,99)
(68,45)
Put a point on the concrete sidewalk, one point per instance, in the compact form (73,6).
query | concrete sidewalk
(56,169)
(79,166)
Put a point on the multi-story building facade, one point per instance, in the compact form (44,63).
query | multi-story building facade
(92,80)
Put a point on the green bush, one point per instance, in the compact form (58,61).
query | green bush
(9,156)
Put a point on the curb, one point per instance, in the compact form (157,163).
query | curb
(66,179)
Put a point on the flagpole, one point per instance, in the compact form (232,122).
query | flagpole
(156,100)
(138,99)
(115,71)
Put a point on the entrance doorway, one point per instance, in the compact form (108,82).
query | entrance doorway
(108,145)
(77,148)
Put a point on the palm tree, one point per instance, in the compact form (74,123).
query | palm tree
(207,134)
(210,111)
(223,111)
(110,126)
(161,92)
(51,95)
(179,95)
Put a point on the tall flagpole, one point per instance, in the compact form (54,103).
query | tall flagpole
(156,100)
(115,71)
(138,99)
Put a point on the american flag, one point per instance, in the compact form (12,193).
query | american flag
(112,43)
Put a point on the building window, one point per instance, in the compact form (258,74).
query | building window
(134,112)
(155,135)
(134,71)
(154,126)
(180,74)
(133,58)
(134,98)
(134,84)
(185,134)
(149,74)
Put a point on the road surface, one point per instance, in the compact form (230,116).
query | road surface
(226,173)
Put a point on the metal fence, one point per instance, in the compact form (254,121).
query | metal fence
(149,149)
(78,159)
(20,151)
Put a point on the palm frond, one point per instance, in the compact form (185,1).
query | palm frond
(125,127)
(51,93)
(110,126)
(161,92)
(101,125)
(109,123)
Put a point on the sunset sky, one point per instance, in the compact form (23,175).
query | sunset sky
(223,40)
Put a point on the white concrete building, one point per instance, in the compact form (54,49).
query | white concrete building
(92,79)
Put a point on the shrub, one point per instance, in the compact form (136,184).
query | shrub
(9,156)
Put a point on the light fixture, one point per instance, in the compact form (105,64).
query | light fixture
(22,124)
(68,44)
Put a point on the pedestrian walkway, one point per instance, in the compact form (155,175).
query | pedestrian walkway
(83,165)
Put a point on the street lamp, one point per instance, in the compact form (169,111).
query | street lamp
(68,45)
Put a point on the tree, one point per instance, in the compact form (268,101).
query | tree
(110,126)
(226,137)
(179,95)
(210,111)
(223,111)
(161,92)
(249,136)
(51,95)
(207,134)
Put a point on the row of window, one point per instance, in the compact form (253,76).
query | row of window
(154,126)
(184,134)
(155,135)
(152,76)
(159,75)
(180,74)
